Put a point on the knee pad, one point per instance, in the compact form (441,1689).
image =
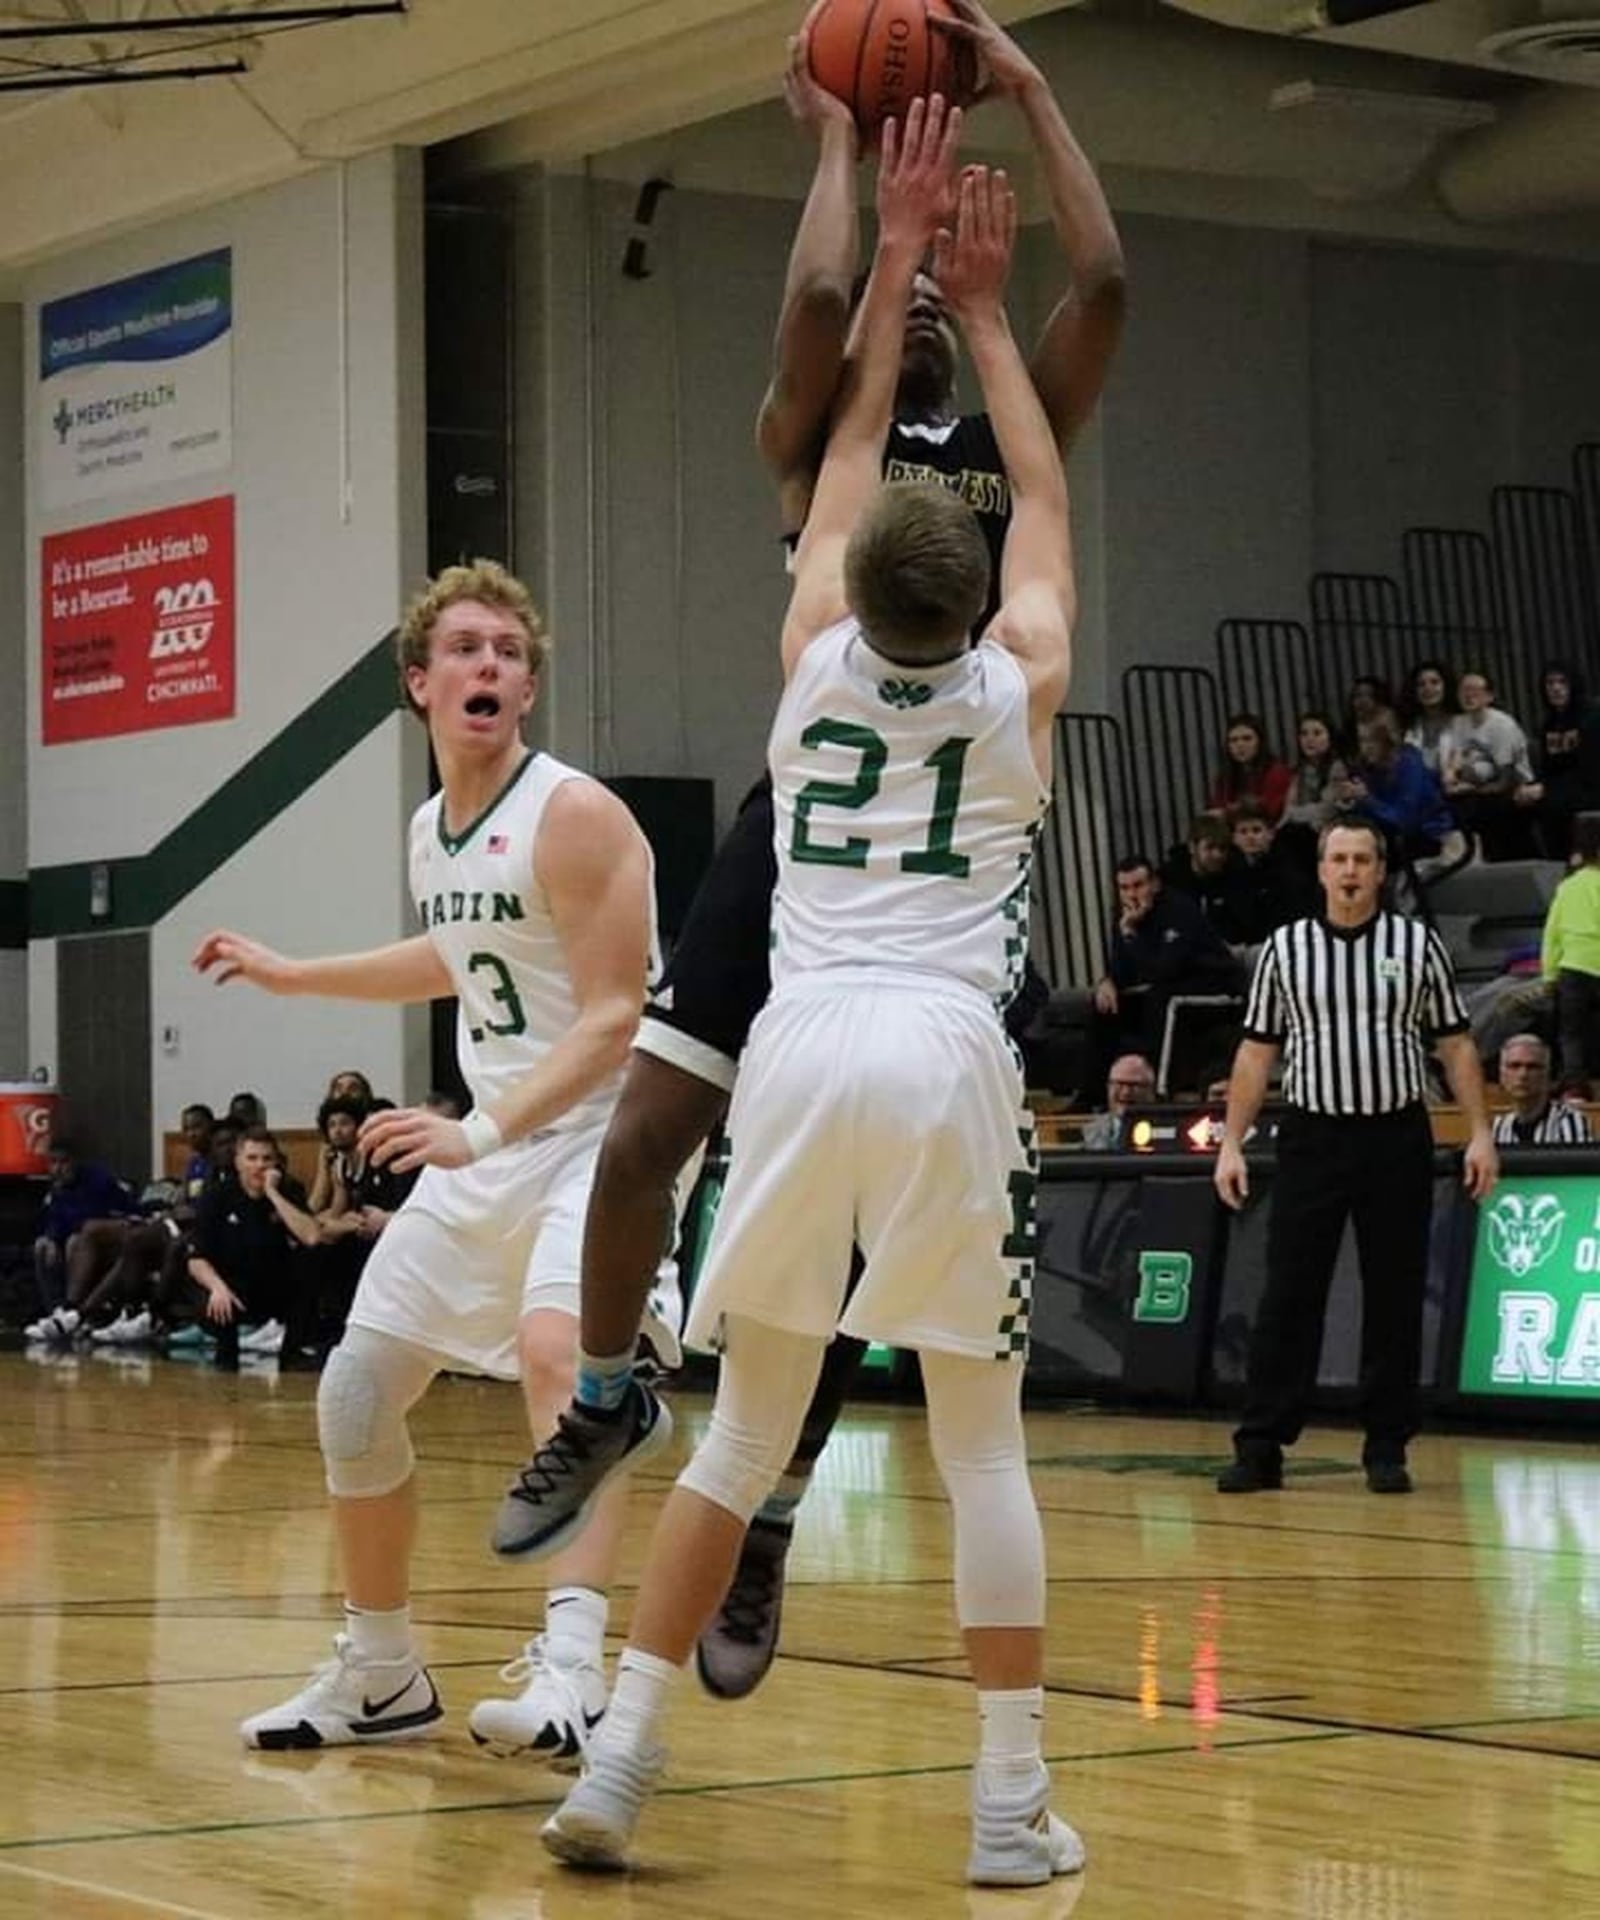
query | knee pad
(361,1422)
(733,1468)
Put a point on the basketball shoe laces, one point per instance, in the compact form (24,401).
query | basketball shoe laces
(561,1459)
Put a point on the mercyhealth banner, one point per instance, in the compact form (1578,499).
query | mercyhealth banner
(136,382)
(138,623)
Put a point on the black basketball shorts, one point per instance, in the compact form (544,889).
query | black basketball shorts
(719,975)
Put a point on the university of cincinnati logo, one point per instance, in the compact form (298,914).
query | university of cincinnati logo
(1524,1231)
(904,693)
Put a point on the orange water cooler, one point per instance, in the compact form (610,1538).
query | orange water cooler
(27,1117)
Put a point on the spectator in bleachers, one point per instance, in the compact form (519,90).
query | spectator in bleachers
(1131,1084)
(1161,947)
(1534,1118)
(81,1193)
(1314,785)
(1392,788)
(1270,889)
(1566,760)
(1428,707)
(1570,956)
(247,1110)
(1315,775)
(1368,698)
(244,1265)
(1206,869)
(1250,770)
(1484,762)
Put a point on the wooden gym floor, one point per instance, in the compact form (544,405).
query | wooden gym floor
(1313,1705)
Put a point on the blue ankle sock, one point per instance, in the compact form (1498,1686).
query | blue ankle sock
(603,1379)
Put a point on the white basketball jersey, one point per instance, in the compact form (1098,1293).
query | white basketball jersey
(907,802)
(487,915)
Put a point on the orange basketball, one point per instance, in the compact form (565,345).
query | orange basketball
(878,55)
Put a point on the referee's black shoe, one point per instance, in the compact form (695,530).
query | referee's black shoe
(1387,1476)
(1256,1472)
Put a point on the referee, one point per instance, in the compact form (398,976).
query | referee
(1353,998)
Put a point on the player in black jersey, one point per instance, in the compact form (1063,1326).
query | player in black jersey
(686,1053)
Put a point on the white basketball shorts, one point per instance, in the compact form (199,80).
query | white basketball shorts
(892,1115)
(474,1248)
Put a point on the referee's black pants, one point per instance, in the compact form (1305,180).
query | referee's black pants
(1378,1171)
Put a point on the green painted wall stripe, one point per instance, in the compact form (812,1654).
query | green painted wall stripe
(147,886)
(13,913)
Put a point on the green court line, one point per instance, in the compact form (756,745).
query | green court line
(200,1829)
(145,887)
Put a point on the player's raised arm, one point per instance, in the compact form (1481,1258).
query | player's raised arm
(814,322)
(1038,602)
(914,188)
(1080,338)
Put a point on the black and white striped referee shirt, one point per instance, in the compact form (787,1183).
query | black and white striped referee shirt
(1558,1126)
(1355,1010)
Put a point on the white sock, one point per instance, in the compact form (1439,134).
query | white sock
(1011,1737)
(379,1637)
(575,1625)
(639,1699)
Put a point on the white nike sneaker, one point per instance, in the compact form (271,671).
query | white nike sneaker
(1016,1840)
(267,1338)
(593,1826)
(554,1716)
(348,1702)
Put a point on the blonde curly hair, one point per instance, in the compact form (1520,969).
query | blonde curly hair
(485,581)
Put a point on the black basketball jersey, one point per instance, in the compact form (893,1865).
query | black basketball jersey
(963,455)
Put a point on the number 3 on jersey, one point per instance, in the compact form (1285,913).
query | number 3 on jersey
(937,854)
(503,992)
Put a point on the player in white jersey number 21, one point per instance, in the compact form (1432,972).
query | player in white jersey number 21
(533,887)
(878,1093)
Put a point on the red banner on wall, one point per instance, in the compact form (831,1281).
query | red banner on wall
(138,623)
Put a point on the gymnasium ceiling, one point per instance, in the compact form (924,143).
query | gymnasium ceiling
(1440,119)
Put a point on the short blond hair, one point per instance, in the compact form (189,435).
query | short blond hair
(917,571)
(485,581)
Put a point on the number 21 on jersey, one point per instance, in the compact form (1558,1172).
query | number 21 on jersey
(937,854)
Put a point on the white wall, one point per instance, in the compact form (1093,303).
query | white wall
(328,479)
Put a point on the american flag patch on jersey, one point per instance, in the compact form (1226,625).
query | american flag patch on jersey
(498,843)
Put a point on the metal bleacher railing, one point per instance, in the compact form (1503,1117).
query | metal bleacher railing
(1525,593)
(1082,840)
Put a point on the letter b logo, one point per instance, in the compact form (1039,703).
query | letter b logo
(1164,1287)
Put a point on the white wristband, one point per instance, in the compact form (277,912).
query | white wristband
(483,1133)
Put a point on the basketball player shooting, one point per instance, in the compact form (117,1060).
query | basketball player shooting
(878,1098)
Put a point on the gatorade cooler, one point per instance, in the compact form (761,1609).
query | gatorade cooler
(27,1116)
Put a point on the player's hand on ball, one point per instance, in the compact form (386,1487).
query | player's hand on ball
(811,105)
(972,264)
(231,956)
(406,1138)
(1002,65)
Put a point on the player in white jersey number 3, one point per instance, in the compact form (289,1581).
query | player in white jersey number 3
(533,887)
(878,1095)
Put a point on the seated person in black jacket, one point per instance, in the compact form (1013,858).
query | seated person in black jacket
(1206,868)
(244,1248)
(1269,890)
(1161,947)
